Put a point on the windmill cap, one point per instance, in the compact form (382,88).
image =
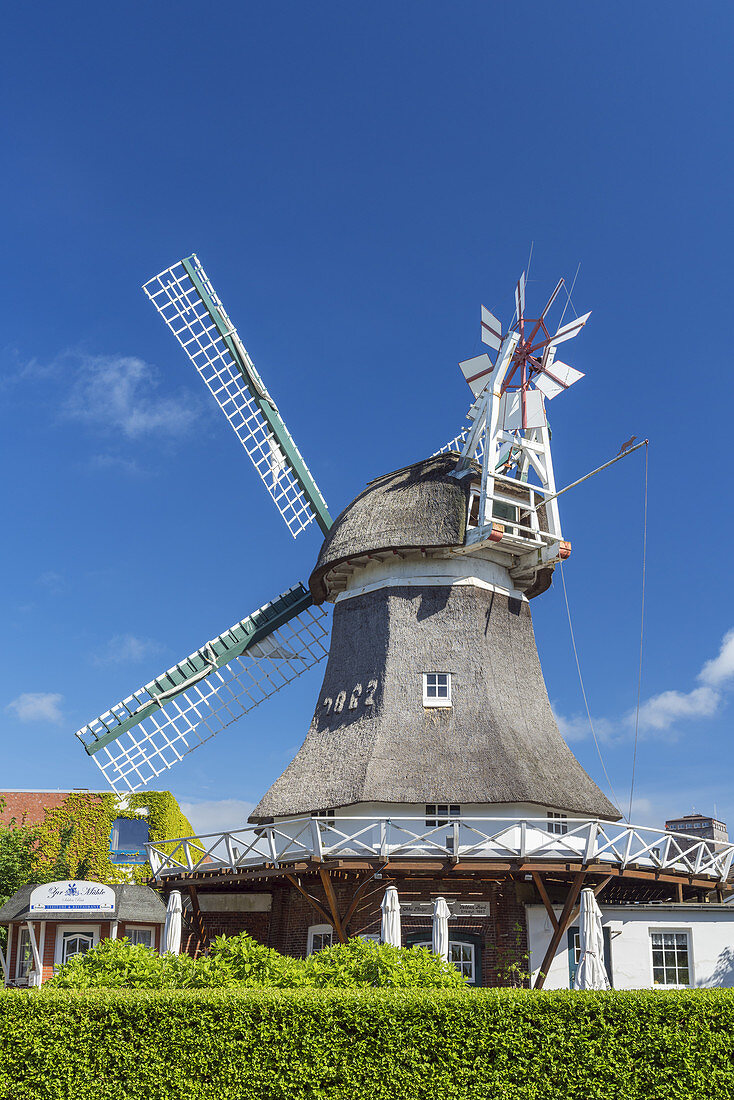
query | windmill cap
(418,507)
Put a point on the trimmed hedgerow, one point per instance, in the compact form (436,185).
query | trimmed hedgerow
(360,1044)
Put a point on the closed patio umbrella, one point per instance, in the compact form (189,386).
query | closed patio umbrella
(590,972)
(441,914)
(390,930)
(172,927)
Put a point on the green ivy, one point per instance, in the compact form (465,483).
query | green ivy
(74,839)
(366,1044)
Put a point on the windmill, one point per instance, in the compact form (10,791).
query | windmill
(498,482)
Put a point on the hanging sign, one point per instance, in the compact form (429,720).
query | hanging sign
(456,908)
(78,896)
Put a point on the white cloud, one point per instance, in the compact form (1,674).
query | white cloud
(720,669)
(662,711)
(577,727)
(126,649)
(217,816)
(40,706)
(121,393)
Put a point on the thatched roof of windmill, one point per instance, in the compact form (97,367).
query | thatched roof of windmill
(498,743)
(418,507)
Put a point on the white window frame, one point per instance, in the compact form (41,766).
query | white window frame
(436,700)
(129,929)
(557,823)
(441,814)
(24,935)
(319,930)
(75,929)
(471,978)
(658,930)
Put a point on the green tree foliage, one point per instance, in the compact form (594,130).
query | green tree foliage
(17,843)
(366,1044)
(241,961)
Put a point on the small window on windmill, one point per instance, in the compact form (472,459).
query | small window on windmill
(436,689)
(472,519)
(441,813)
(325,818)
(557,823)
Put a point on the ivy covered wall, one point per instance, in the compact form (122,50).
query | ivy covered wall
(74,839)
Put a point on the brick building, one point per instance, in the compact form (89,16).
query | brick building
(49,924)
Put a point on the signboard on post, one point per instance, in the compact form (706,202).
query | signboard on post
(76,896)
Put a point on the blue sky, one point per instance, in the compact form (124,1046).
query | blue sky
(357,179)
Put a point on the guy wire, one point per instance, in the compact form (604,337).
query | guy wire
(642,632)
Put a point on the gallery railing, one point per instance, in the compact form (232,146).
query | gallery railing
(486,838)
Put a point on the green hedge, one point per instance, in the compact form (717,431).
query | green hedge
(270,1044)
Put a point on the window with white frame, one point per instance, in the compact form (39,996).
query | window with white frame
(670,958)
(24,962)
(557,823)
(441,813)
(326,817)
(461,954)
(76,943)
(319,937)
(142,936)
(436,689)
(72,941)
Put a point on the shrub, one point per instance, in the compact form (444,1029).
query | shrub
(366,1044)
(242,961)
(366,963)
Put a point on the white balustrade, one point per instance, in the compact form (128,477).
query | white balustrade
(466,838)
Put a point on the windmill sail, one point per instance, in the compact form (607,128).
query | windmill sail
(189,305)
(156,727)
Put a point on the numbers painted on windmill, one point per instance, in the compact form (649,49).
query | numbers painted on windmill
(360,696)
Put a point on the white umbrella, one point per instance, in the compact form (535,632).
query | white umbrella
(172,927)
(441,914)
(390,930)
(590,972)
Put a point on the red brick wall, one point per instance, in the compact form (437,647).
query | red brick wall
(503,935)
(31,805)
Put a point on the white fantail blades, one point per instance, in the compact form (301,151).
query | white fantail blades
(491,330)
(520,297)
(477,371)
(514,417)
(573,328)
(553,297)
(556,378)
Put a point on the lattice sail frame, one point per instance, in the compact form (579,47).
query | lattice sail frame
(192,310)
(174,714)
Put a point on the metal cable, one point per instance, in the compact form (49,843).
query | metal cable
(642,632)
(583,690)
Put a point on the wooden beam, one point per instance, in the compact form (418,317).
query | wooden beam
(309,898)
(597,890)
(331,898)
(540,887)
(563,924)
(358,894)
(198,919)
